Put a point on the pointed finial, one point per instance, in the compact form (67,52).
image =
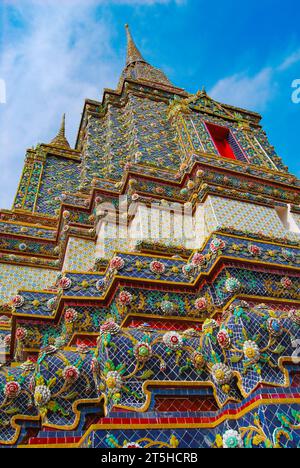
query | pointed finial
(60,139)
(133,54)
(137,68)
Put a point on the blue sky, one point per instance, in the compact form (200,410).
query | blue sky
(56,53)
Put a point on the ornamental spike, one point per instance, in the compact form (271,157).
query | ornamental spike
(133,54)
(60,139)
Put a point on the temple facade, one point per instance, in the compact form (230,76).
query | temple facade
(149,279)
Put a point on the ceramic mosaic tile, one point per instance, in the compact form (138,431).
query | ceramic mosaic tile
(245,217)
(13,278)
(80,255)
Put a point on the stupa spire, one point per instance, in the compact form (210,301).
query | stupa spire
(138,69)
(133,53)
(60,139)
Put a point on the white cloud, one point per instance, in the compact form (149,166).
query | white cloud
(251,92)
(61,56)
(45,77)
(290,61)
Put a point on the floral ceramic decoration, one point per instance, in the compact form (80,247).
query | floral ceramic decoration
(21,334)
(17,301)
(217,245)
(51,303)
(232,439)
(251,351)
(167,307)
(221,373)
(142,351)
(65,283)
(110,326)
(201,304)
(198,259)
(100,284)
(42,395)
(223,338)
(71,315)
(286,283)
(125,298)
(173,340)
(12,390)
(232,285)
(117,263)
(71,374)
(254,250)
(157,268)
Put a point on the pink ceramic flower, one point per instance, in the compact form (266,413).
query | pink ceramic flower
(117,263)
(201,303)
(21,334)
(65,283)
(125,298)
(157,267)
(71,316)
(109,327)
(216,245)
(198,259)
(17,301)
(286,283)
(12,390)
(254,250)
(223,339)
(172,340)
(159,190)
(71,373)
(7,340)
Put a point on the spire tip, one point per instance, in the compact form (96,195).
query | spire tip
(133,54)
(60,139)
